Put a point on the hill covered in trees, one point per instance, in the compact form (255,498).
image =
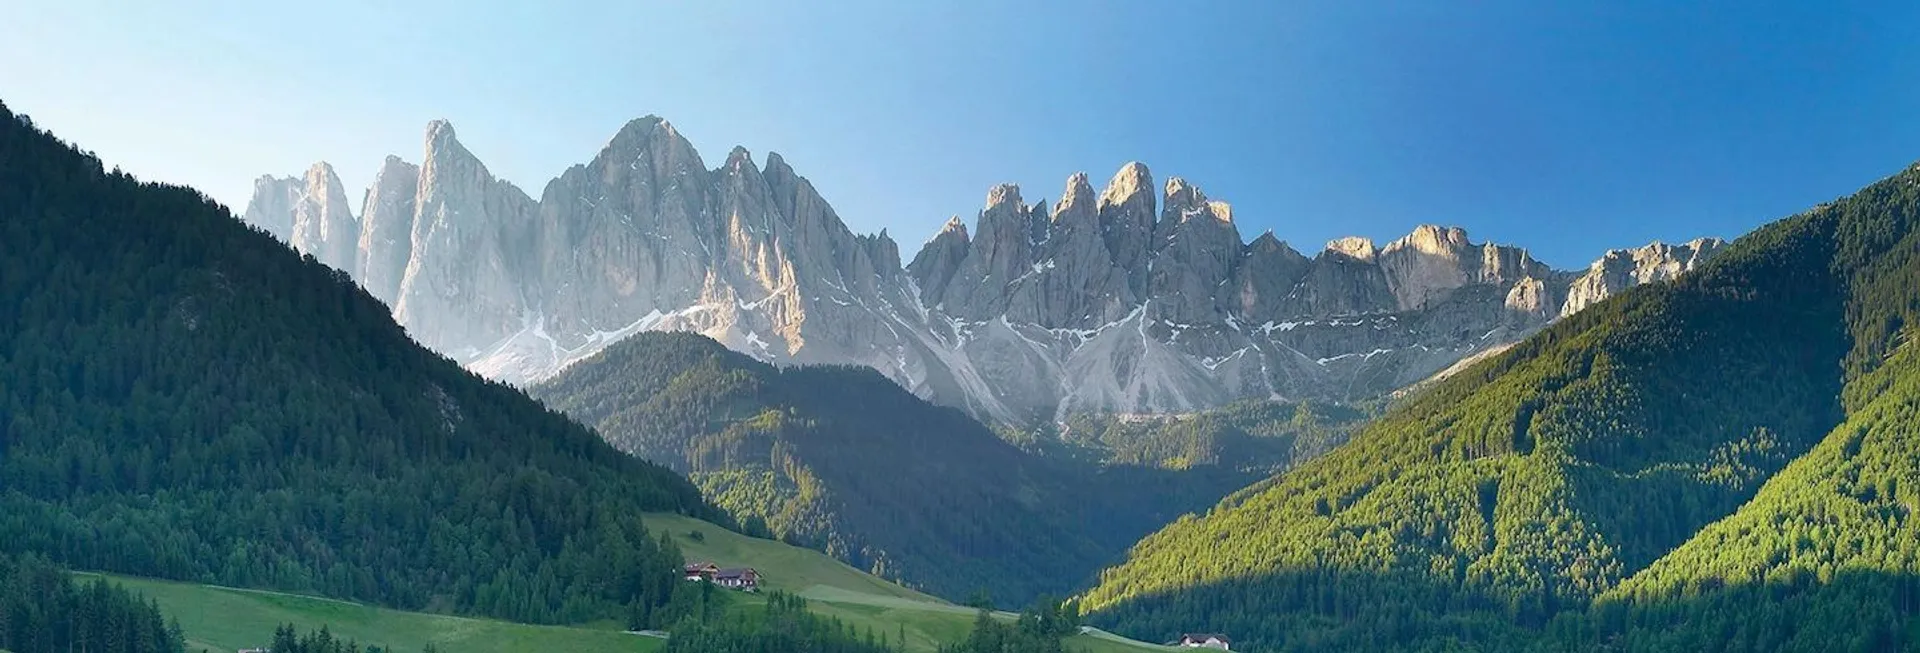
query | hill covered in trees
(42,610)
(842,459)
(1600,484)
(1251,437)
(183,397)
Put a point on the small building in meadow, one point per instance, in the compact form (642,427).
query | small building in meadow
(1206,640)
(701,571)
(744,579)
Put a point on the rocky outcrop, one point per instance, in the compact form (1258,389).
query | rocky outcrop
(939,259)
(386,229)
(323,224)
(271,208)
(465,283)
(1071,280)
(1126,298)
(1620,269)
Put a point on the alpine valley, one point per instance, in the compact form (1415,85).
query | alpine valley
(1436,445)
(1135,298)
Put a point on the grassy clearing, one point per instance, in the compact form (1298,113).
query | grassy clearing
(222,620)
(855,597)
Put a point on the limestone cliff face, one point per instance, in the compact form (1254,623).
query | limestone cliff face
(323,223)
(271,208)
(1133,297)
(1624,268)
(386,229)
(309,213)
(465,283)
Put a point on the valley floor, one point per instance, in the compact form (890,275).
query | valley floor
(225,620)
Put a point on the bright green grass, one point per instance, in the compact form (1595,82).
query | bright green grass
(223,620)
(781,567)
(834,589)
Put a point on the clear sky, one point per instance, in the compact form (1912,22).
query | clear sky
(1568,129)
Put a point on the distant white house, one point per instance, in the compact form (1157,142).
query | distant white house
(1206,640)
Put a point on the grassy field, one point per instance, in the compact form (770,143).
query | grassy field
(782,567)
(223,620)
(860,599)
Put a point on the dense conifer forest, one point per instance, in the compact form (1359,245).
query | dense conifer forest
(43,610)
(183,397)
(844,460)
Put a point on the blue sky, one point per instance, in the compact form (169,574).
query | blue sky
(1565,128)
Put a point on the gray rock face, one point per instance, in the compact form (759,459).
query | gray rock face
(271,208)
(1071,280)
(386,229)
(1128,298)
(1127,207)
(939,259)
(323,223)
(464,285)
(1264,279)
(1620,269)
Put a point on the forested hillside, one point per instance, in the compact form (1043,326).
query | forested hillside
(183,397)
(1257,437)
(42,610)
(1526,486)
(844,460)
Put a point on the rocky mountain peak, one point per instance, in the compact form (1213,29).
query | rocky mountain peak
(1004,195)
(954,226)
(1620,269)
(738,158)
(934,266)
(1432,239)
(1128,209)
(271,207)
(1181,196)
(1220,210)
(1267,242)
(1132,180)
(640,130)
(323,223)
(1078,205)
(463,285)
(440,133)
(1136,298)
(386,230)
(776,168)
(1357,248)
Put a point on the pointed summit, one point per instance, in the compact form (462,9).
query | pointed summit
(1128,209)
(1077,198)
(439,131)
(323,224)
(386,229)
(1358,248)
(271,207)
(954,225)
(1004,194)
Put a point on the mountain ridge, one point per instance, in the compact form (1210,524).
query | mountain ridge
(1128,298)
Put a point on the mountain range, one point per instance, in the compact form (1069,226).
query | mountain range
(1725,461)
(1136,298)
